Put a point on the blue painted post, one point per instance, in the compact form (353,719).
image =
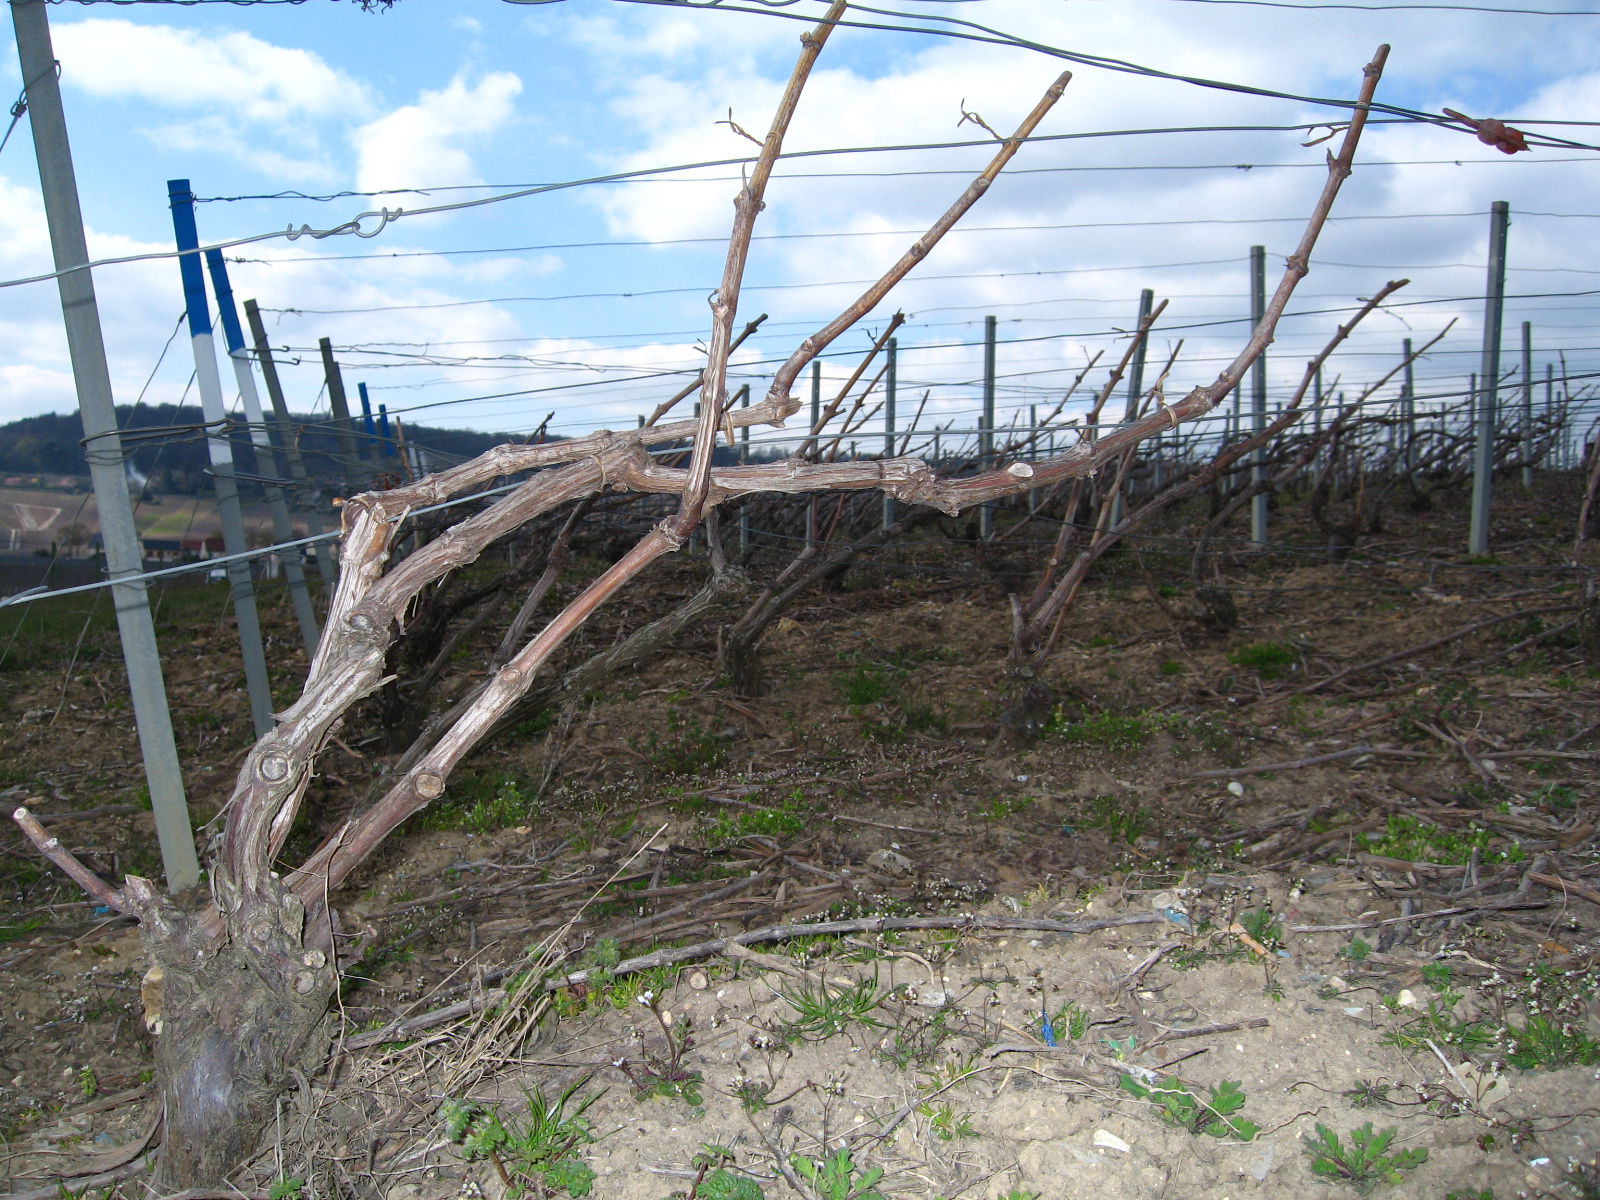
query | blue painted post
(209,384)
(369,427)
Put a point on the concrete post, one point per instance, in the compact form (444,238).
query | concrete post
(92,378)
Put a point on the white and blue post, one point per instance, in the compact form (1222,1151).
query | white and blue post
(209,384)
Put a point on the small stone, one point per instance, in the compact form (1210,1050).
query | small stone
(1263,1163)
(1106,1140)
(699,980)
(1407,998)
(1236,787)
(889,862)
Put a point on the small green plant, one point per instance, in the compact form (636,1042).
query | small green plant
(660,1071)
(1117,732)
(1546,1042)
(1263,926)
(286,1187)
(1364,1161)
(869,683)
(1122,820)
(16,931)
(480,804)
(88,1083)
(1406,837)
(1269,660)
(1368,1093)
(1358,950)
(1438,1023)
(1178,1105)
(1555,1032)
(723,1184)
(781,822)
(1556,795)
(837,1177)
(1070,1022)
(542,1151)
(917,1040)
(947,1122)
(1002,807)
(821,1011)
(752,1094)
(1171,666)
(690,746)
(715,1181)
(1438,974)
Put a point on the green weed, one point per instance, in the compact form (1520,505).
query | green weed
(1117,732)
(1364,1161)
(286,1187)
(869,683)
(1178,1105)
(1071,1022)
(821,1011)
(1555,1032)
(660,1071)
(1438,1023)
(947,1122)
(918,1041)
(480,804)
(1414,840)
(880,686)
(782,821)
(690,746)
(1269,660)
(838,1177)
(1123,821)
(1002,807)
(542,1151)
(1556,796)
(723,1184)
(18,930)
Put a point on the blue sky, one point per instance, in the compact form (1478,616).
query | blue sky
(604,286)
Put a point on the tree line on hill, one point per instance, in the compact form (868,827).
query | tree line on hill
(165,448)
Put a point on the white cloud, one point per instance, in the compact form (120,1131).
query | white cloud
(180,68)
(421,144)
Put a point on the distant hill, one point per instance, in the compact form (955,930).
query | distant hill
(166,446)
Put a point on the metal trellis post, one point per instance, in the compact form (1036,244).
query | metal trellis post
(282,529)
(986,425)
(1258,397)
(1527,404)
(326,566)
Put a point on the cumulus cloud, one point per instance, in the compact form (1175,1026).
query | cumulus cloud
(422,144)
(1066,240)
(182,68)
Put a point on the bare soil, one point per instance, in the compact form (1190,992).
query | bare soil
(1301,928)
